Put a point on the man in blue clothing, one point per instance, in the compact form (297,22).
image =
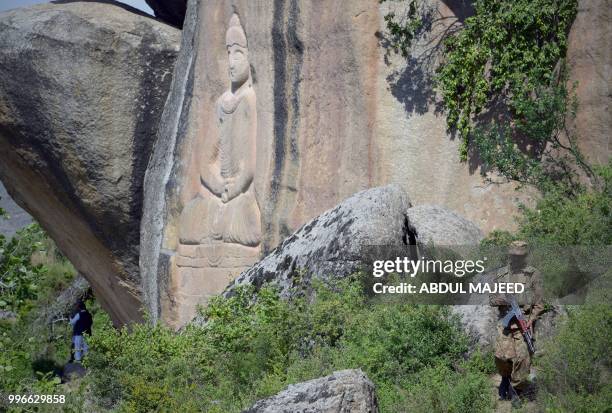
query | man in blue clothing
(81,323)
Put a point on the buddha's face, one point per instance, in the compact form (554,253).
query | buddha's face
(238,65)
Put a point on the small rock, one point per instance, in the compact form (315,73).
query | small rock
(73,371)
(346,391)
(440,226)
(8,316)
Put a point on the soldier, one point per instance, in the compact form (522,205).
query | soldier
(512,356)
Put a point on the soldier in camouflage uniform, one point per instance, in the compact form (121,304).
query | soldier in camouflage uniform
(512,356)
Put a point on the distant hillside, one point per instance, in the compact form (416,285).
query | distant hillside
(18,218)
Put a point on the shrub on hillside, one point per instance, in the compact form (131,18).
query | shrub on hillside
(575,371)
(32,273)
(253,346)
(558,219)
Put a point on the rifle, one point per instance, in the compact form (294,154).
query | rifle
(515,312)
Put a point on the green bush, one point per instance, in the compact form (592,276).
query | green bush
(502,79)
(507,53)
(440,389)
(585,219)
(254,345)
(561,220)
(32,273)
(19,285)
(575,372)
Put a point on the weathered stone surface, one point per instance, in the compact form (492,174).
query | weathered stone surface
(590,64)
(219,228)
(335,115)
(170,11)
(157,239)
(433,224)
(332,244)
(82,86)
(345,391)
(17,217)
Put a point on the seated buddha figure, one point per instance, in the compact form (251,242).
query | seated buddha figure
(226,209)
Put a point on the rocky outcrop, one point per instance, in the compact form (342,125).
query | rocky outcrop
(72,371)
(8,316)
(374,224)
(160,177)
(82,87)
(336,114)
(341,392)
(433,224)
(170,11)
(335,244)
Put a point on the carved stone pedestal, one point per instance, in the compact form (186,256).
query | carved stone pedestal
(199,272)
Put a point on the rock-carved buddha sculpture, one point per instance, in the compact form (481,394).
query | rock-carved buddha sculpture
(226,209)
(219,228)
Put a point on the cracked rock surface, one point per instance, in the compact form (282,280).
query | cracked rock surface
(332,244)
(345,391)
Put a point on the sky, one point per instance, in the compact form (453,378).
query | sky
(12,4)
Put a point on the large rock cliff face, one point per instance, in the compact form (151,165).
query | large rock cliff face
(82,86)
(330,109)
(336,114)
(588,56)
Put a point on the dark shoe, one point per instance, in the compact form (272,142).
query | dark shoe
(504,386)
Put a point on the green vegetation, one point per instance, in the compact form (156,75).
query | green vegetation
(576,366)
(509,53)
(503,84)
(404,29)
(253,345)
(584,219)
(558,219)
(32,270)
(32,273)
(18,277)
(250,349)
